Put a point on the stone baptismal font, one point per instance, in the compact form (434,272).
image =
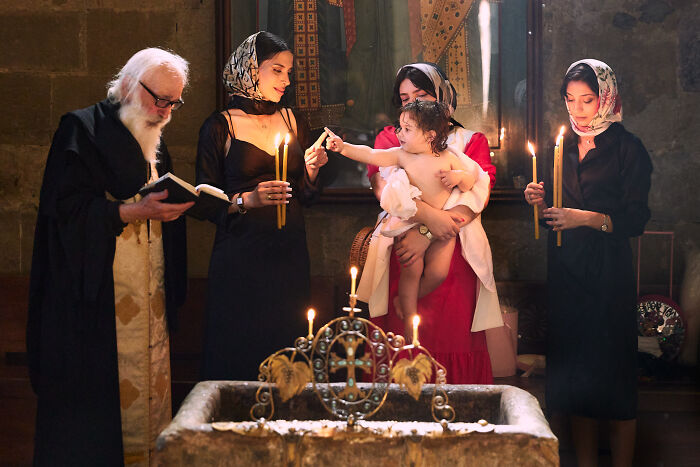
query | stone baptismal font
(295,415)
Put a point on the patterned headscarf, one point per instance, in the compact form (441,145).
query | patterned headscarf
(444,91)
(241,73)
(610,104)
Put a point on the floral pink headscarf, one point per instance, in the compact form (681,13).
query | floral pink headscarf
(610,104)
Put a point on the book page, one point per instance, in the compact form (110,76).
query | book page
(173,178)
(212,190)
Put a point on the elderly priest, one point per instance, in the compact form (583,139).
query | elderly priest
(108,273)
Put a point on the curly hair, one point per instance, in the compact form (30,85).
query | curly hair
(431,116)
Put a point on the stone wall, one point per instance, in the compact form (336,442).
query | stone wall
(57,56)
(654,48)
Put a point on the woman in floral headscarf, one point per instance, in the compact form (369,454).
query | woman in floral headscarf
(592,331)
(447,313)
(259,274)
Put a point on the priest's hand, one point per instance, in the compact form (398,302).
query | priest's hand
(153,207)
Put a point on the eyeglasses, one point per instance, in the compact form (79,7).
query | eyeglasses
(163,103)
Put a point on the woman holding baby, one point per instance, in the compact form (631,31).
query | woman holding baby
(455,314)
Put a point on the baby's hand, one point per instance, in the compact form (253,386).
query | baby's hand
(450,178)
(469,178)
(334,142)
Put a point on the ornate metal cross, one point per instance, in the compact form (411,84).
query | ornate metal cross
(350,344)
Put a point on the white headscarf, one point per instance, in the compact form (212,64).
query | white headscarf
(609,105)
(444,91)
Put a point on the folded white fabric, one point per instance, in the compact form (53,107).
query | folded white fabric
(398,195)
(398,200)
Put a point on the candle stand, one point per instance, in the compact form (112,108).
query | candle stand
(334,348)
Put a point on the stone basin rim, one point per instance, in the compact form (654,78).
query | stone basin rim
(518,409)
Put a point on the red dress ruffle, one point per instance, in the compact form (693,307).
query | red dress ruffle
(446,318)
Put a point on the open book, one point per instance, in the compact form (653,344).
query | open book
(208,199)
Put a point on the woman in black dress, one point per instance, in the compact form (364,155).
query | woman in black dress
(592,329)
(259,274)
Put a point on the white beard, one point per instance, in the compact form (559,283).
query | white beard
(146,131)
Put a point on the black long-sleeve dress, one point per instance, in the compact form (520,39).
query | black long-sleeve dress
(258,286)
(592,331)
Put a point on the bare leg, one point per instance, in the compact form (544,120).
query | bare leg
(584,432)
(408,293)
(438,257)
(622,434)
(408,289)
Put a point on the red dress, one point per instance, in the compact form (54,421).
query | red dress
(446,313)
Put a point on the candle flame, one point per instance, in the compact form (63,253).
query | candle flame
(286,139)
(562,130)
(416,321)
(311,314)
(353,272)
(531,148)
(278,138)
(503,133)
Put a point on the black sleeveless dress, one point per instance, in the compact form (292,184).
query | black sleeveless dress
(258,286)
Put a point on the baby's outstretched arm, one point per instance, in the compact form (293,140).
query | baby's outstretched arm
(365,154)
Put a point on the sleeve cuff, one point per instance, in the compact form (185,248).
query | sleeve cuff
(117,223)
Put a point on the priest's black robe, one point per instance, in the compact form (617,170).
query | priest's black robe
(591,319)
(71,333)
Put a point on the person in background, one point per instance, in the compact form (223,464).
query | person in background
(108,274)
(591,321)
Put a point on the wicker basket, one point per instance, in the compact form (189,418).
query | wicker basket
(360,247)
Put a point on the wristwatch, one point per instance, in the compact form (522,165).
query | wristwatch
(240,205)
(604,227)
(423,229)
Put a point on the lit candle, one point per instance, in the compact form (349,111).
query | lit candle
(416,322)
(284,176)
(559,163)
(534,180)
(502,135)
(278,139)
(555,174)
(353,276)
(311,314)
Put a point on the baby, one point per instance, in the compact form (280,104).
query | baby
(435,170)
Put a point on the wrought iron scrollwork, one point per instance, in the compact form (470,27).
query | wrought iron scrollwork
(362,350)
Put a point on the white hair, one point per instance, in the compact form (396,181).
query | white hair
(141,62)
